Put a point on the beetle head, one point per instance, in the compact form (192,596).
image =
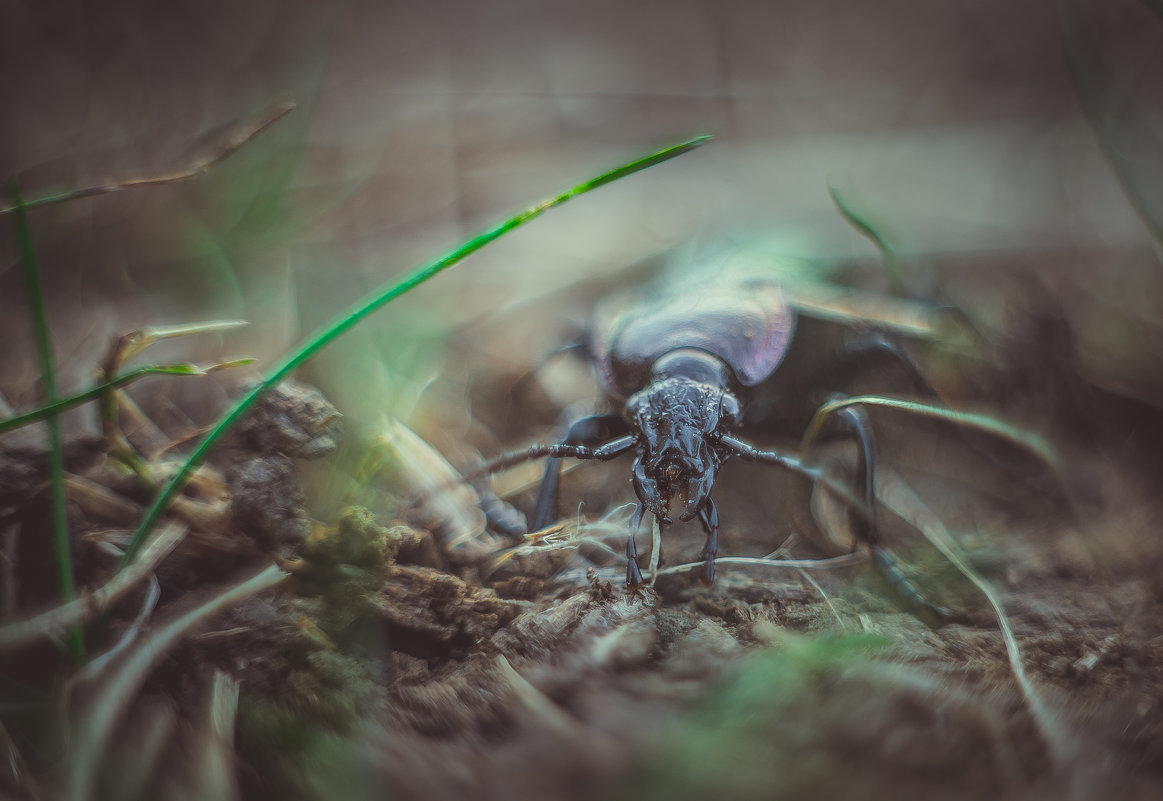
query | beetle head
(677,419)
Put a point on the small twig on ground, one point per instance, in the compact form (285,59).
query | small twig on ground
(96,723)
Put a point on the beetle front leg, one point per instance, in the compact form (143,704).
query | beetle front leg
(709,517)
(586,431)
(633,574)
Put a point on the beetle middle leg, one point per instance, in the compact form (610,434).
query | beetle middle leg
(709,517)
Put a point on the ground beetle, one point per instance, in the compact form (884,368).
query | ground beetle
(688,360)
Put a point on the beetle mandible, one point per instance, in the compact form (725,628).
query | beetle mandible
(687,361)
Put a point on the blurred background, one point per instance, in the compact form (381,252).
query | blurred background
(980,136)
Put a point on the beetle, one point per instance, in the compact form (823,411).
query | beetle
(687,361)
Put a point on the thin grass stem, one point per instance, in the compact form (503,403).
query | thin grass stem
(44,349)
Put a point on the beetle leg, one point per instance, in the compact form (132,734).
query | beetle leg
(500,515)
(852,421)
(709,517)
(587,430)
(633,574)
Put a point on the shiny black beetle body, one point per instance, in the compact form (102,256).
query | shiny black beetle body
(687,360)
(680,362)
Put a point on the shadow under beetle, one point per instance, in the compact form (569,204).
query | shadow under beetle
(688,361)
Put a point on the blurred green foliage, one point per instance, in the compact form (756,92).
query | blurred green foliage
(747,739)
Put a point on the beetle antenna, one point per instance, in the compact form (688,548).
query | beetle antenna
(602,453)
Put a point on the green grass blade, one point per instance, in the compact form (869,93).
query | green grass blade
(370,304)
(859,223)
(44,348)
(95,392)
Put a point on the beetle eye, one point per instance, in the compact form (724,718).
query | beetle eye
(729,410)
(632,407)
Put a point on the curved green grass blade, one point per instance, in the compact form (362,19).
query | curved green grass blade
(868,230)
(95,392)
(862,226)
(373,302)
